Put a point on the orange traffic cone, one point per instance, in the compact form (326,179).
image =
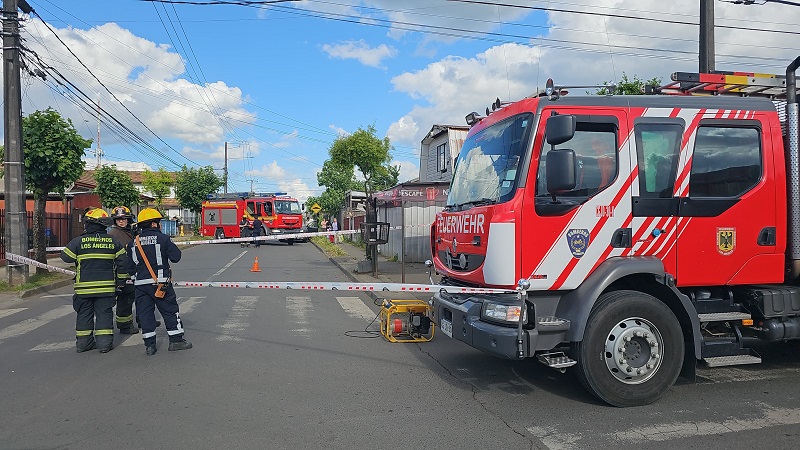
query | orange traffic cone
(255,266)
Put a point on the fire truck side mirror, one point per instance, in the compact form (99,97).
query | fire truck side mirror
(561,171)
(559,129)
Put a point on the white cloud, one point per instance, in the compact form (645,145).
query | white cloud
(339,131)
(408,170)
(287,140)
(448,89)
(236,151)
(361,51)
(271,171)
(134,166)
(149,78)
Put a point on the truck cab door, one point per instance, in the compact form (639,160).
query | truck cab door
(654,203)
(728,218)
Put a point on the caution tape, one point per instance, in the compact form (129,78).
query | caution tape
(299,285)
(271,237)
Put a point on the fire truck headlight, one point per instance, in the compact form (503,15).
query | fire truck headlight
(502,313)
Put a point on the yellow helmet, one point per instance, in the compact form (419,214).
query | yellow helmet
(95,214)
(121,212)
(149,214)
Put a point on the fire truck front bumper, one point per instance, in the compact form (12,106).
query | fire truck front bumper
(459,317)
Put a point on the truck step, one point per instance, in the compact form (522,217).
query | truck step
(552,324)
(721,361)
(724,316)
(557,360)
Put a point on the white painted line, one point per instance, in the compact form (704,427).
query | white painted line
(356,308)
(187,306)
(57,295)
(31,324)
(299,308)
(57,346)
(236,323)
(8,312)
(770,417)
(227,265)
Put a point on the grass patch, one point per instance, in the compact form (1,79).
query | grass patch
(330,249)
(34,281)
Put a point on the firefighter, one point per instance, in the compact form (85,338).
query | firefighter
(150,254)
(121,231)
(98,259)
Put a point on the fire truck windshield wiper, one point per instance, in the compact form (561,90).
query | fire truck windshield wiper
(467,205)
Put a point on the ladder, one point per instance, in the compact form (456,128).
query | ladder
(742,84)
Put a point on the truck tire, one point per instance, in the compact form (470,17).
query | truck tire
(290,242)
(632,349)
(220,234)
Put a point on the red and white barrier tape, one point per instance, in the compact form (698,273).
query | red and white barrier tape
(271,237)
(300,285)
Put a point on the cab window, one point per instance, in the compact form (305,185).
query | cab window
(726,161)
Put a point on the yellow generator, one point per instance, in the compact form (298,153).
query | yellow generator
(406,321)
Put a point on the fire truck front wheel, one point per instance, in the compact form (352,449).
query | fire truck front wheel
(632,349)
(219,234)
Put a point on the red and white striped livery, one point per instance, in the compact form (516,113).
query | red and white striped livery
(646,233)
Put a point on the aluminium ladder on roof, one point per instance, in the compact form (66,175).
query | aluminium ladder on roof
(742,84)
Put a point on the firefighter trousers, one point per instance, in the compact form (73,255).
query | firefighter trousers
(95,316)
(146,304)
(124,314)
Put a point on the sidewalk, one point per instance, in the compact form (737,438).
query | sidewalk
(388,272)
(54,259)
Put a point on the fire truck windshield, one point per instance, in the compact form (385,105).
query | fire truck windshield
(287,207)
(486,168)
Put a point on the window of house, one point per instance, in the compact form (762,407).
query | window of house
(726,161)
(441,157)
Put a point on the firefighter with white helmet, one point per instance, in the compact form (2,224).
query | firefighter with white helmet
(121,231)
(99,260)
(150,254)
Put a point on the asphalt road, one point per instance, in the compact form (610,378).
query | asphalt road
(289,369)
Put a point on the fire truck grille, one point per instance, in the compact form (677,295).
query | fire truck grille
(462,262)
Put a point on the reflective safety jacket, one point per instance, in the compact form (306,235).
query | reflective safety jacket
(160,251)
(99,262)
(123,236)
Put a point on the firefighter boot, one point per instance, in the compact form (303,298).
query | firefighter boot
(183,344)
(84,343)
(105,343)
(151,350)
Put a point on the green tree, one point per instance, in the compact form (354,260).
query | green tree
(626,86)
(53,152)
(158,183)
(363,151)
(192,186)
(115,187)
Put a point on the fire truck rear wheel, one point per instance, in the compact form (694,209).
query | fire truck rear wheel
(220,234)
(632,349)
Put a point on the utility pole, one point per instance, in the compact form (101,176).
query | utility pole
(706,36)
(16,215)
(225,170)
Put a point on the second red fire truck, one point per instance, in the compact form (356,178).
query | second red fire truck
(642,234)
(279,213)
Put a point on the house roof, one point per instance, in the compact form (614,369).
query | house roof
(136,177)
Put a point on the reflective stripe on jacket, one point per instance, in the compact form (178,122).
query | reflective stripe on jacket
(98,260)
(160,251)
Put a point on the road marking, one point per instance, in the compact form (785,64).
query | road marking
(227,265)
(736,375)
(56,295)
(554,439)
(58,346)
(31,324)
(184,307)
(356,308)
(299,308)
(236,322)
(770,417)
(8,312)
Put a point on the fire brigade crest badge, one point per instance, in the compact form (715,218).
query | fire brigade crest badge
(726,240)
(578,240)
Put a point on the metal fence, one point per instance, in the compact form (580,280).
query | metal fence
(58,231)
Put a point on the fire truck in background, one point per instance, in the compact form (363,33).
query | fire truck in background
(279,213)
(642,234)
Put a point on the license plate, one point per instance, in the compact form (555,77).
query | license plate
(446,327)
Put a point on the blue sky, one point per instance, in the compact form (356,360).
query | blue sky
(280,82)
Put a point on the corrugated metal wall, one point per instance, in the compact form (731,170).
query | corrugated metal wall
(418,218)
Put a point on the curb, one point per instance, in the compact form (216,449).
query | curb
(45,288)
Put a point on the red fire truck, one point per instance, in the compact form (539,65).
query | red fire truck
(642,234)
(278,212)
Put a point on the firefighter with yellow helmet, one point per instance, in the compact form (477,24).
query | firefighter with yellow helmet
(99,260)
(150,254)
(122,232)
